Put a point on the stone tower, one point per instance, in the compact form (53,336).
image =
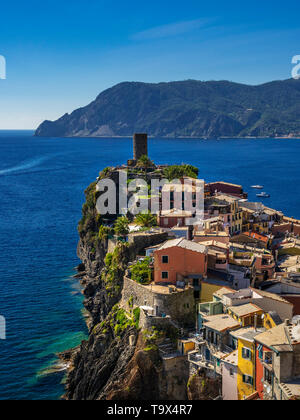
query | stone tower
(140,146)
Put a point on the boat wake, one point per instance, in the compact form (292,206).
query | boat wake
(24,166)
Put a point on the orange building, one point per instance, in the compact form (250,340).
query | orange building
(179,259)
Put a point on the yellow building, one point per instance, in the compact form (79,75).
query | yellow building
(235,210)
(247,315)
(244,338)
(207,291)
(271,320)
(185,346)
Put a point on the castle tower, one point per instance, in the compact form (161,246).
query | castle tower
(140,146)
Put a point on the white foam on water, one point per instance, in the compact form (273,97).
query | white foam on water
(23,166)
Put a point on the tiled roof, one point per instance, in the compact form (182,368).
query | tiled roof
(184,243)
(226,197)
(257,236)
(176,213)
(247,333)
(274,337)
(276,318)
(244,310)
(221,323)
(223,291)
(269,295)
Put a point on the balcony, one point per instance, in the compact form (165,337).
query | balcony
(200,361)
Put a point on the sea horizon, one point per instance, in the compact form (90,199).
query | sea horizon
(46,177)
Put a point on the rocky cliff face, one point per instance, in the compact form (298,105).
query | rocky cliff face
(201,387)
(118,361)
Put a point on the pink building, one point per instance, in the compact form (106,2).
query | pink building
(229,377)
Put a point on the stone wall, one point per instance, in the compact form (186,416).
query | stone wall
(144,240)
(175,377)
(179,306)
(147,321)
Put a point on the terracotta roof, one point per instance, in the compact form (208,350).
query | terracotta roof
(184,243)
(224,183)
(257,236)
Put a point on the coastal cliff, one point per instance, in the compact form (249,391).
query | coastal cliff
(122,358)
(117,361)
(188,108)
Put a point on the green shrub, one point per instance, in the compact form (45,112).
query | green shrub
(108,259)
(136,316)
(122,226)
(141,272)
(179,171)
(146,220)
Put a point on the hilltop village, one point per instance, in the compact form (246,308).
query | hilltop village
(180,311)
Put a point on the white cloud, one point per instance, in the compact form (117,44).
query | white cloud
(170,30)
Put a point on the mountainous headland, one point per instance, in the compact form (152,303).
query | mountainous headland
(191,108)
(169,303)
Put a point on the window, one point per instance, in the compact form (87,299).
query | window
(231,373)
(165,275)
(268,357)
(246,353)
(260,352)
(268,376)
(166,222)
(247,380)
(165,259)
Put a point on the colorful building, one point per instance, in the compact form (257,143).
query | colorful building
(230,377)
(278,362)
(178,260)
(171,218)
(247,315)
(246,360)
(226,188)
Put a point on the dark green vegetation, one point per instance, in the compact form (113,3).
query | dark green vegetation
(178,171)
(112,271)
(122,226)
(90,221)
(146,220)
(141,272)
(189,108)
(118,321)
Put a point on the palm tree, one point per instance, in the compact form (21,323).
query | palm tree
(122,226)
(146,219)
(145,162)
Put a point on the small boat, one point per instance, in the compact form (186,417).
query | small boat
(263,195)
(257,187)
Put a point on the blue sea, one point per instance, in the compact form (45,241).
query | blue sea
(41,190)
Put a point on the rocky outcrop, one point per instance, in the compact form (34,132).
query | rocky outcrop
(203,387)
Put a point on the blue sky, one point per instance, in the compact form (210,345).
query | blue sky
(61,54)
